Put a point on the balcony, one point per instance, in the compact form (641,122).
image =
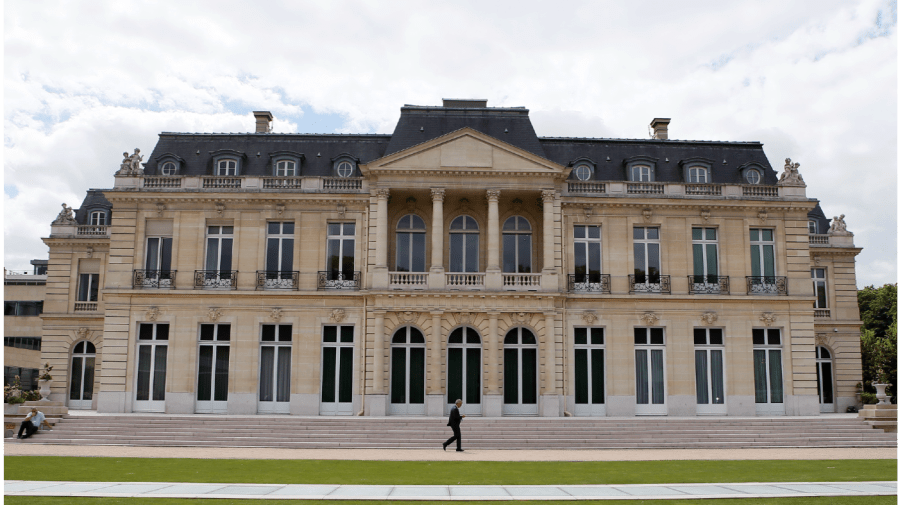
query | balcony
(818,239)
(521,282)
(333,279)
(163,279)
(586,188)
(649,284)
(589,283)
(86,306)
(282,183)
(760,191)
(93,231)
(273,279)
(162,182)
(645,188)
(766,285)
(408,280)
(704,190)
(709,285)
(222,182)
(215,279)
(341,184)
(472,280)
(821,314)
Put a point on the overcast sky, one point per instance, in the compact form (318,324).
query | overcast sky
(814,81)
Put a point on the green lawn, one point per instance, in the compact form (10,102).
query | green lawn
(853,500)
(440,472)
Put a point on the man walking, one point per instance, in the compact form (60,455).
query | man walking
(455,418)
(31,423)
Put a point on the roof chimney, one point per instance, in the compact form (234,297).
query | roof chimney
(659,127)
(263,121)
(466,103)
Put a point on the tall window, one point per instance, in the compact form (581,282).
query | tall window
(81,385)
(825,379)
(641,173)
(98,218)
(407,371)
(274,368)
(464,245)
(212,382)
(768,364)
(521,374)
(709,378)
(646,255)
(336,370)
(410,240)
(587,254)
(341,251)
(812,226)
(463,352)
(88,287)
(650,396)
(763,269)
(219,243)
(589,367)
(516,243)
(152,360)
(285,168)
(818,278)
(159,255)
(698,175)
(279,254)
(226,167)
(704,255)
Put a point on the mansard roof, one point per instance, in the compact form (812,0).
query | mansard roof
(93,200)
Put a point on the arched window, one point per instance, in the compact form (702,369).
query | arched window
(81,385)
(825,379)
(463,370)
(226,167)
(98,218)
(410,240)
(517,237)
(407,371)
(698,175)
(641,173)
(464,245)
(521,374)
(285,168)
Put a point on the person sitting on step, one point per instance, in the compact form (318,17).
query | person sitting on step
(31,423)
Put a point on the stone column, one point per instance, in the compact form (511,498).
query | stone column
(380,277)
(493,278)
(437,279)
(376,402)
(435,392)
(492,400)
(549,280)
(550,402)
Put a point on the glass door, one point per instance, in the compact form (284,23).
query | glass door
(464,370)
(212,380)
(768,364)
(407,372)
(152,362)
(589,372)
(274,369)
(825,379)
(650,384)
(81,386)
(709,374)
(521,374)
(336,371)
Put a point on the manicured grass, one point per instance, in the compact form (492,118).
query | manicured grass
(40,500)
(441,472)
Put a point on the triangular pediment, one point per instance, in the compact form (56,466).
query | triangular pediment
(466,151)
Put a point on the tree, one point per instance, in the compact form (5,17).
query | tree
(879,313)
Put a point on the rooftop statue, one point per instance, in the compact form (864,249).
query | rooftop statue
(65,216)
(838,226)
(790,176)
(130,164)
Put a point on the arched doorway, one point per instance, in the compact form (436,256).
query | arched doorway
(825,379)
(81,385)
(407,372)
(521,374)
(464,369)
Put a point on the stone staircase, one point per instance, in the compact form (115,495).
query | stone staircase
(480,433)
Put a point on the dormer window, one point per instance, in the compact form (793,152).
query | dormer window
(285,168)
(98,218)
(812,226)
(169,168)
(641,173)
(753,176)
(583,172)
(226,167)
(698,175)
(345,169)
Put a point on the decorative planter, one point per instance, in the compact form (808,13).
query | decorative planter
(881,393)
(45,390)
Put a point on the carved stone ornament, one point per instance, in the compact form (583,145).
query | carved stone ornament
(548,195)
(160,208)
(709,318)
(649,318)
(464,317)
(65,216)
(276,314)
(768,318)
(82,333)
(587,211)
(280,208)
(152,313)
(437,194)
(130,164)
(219,207)
(790,175)
(819,339)
(407,316)
(342,211)
(589,317)
(521,317)
(382,193)
(90,251)
(706,215)
(213,314)
(492,195)
(838,226)
(816,261)
(762,215)
(338,315)
(647,214)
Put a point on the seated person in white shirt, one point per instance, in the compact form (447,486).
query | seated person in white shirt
(31,423)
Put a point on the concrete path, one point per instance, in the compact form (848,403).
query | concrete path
(461,493)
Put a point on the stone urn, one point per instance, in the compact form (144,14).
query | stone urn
(45,390)
(881,393)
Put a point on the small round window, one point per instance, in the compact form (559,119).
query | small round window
(169,168)
(753,176)
(582,172)
(344,169)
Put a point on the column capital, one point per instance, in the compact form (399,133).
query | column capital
(382,193)
(437,194)
(492,195)
(548,195)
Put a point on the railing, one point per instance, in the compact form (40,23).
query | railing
(93,230)
(161,182)
(589,283)
(709,285)
(274,279)
(645,188)
(405,280)
(86,306)
(281,182)
(339,280)
(821,314)
(766,285)
(215,279)
(818,239)
(153,279)
(586,187)
(521,282)
(222,182)
(472,280)
(653,284)
(704,189)
(760,191)
(341,183)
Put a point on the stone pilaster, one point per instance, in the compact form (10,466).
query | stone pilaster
(437,279)
(493,279)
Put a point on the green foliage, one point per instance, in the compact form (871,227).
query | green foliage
(879,313)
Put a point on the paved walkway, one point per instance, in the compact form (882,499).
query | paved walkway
(463,493)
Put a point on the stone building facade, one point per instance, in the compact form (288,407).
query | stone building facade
(463,257)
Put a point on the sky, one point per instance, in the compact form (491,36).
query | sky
(814,81)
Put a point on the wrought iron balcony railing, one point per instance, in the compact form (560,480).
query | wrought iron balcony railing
(649,283)
(275,279)
(766,285)
(153,279)
(215,279)
(334,279)
(589,283)
(709,285)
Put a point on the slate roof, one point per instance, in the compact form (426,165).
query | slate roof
(817,215)
(94,200)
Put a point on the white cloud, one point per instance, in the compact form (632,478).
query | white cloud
(814,81)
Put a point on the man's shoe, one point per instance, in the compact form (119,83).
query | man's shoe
(459,450)
(444,446)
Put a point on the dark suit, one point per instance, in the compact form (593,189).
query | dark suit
(454,422)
